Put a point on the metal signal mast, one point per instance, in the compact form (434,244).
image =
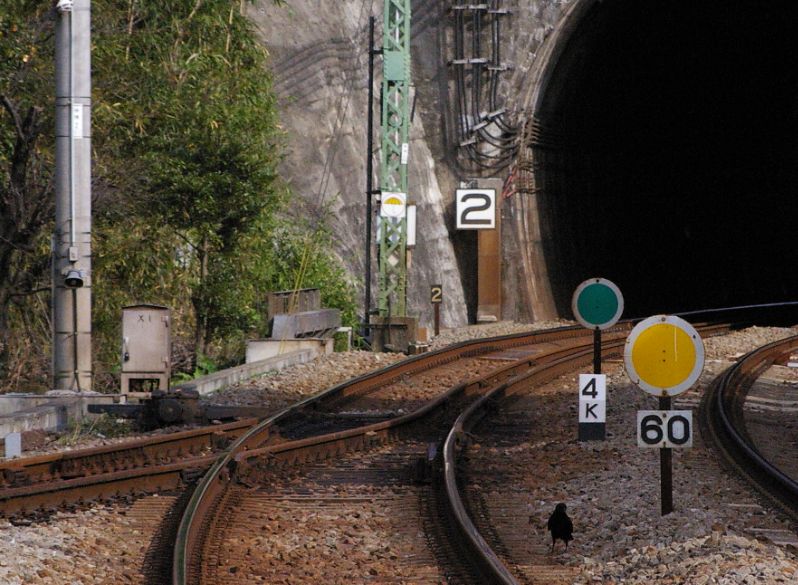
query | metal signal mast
(392,281)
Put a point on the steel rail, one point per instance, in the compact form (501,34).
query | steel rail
(331,443)
(53,480)
(722,418)
(70,464)
(50,495)
(483,554)
(48,481)
(210,492)
(456,441)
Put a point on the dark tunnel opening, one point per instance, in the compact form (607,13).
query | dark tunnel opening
(668,162)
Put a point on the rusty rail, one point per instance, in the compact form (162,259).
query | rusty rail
(65,464)
(207,499)
(339,442)
(47,481)
(246,454)
(489,563)
(147,464)
(49,495)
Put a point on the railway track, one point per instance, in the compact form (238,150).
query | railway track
(741,443)
(247,474)
(147,465)
(41,484)
(490,495)
(367,413)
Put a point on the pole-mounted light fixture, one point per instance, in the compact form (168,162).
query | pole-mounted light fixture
(74,278)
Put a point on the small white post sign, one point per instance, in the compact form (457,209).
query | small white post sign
(592,407)
(13,443)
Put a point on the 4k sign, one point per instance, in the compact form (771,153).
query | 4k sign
(592,407)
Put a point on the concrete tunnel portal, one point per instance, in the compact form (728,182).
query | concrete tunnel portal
(668,161)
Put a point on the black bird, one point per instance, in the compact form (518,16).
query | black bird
(560,526)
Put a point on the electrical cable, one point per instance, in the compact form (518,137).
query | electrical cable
(470,129)
(76,365)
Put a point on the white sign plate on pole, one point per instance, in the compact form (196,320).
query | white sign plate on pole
(592,407)
(592,398)
(77,120)
(475,209)
(411,225)
(665,429)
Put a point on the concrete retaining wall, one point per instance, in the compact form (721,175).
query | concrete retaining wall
(48,412)
(207,384)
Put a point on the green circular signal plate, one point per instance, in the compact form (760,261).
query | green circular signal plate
(597,303)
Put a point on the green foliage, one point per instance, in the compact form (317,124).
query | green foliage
(138,262)
(205,366)
(189,211)
(26,53)
(296,253)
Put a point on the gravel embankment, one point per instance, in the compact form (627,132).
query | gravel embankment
(713,534)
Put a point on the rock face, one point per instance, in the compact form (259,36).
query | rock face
(320,60)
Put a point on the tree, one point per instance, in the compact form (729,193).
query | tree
(186,196)
(26,184)
(212,160)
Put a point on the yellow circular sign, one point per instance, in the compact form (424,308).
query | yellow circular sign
(664,355)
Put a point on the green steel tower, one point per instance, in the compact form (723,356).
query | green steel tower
(392,296)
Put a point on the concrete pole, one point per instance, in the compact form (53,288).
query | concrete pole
(72,239)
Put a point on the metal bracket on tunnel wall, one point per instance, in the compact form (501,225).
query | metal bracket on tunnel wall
(477,208)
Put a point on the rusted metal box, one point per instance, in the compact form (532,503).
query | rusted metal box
(146,348)
(288,302)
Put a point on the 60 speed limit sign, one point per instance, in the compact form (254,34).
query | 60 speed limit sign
(665,429)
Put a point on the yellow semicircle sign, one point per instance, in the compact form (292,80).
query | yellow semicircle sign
(394,201)
(664,355)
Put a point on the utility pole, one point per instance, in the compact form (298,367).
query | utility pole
(72,238)
(369,175)
(392,296)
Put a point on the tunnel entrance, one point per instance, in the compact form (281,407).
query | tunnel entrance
(669,157)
